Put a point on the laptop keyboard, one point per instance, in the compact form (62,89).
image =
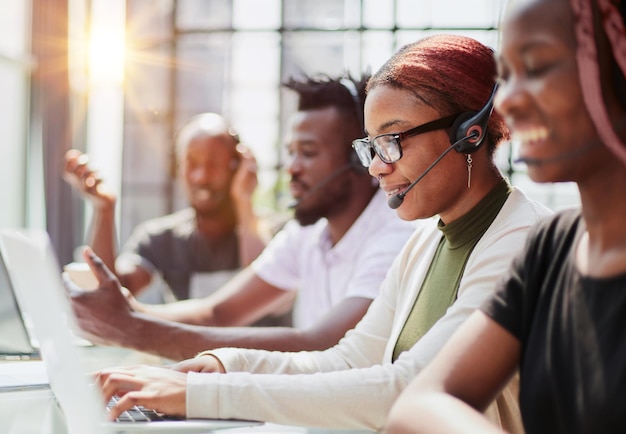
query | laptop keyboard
(139,414)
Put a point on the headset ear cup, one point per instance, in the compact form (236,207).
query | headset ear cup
(472,124)
(469,124)
(460,129)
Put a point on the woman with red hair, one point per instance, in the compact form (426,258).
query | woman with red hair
(431,139)
(558,313)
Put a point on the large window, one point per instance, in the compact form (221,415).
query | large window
(189,56)
(16,64)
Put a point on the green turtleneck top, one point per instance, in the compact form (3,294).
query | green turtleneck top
(441,284)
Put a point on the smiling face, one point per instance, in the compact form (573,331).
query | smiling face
(391,110)
(321,181)
(208,167)
(540,96)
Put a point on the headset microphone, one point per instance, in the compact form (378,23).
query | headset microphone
(396,200)
(323,183)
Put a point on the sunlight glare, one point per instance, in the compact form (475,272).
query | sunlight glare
(106,56)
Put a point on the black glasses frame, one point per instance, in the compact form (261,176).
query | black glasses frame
(366,147)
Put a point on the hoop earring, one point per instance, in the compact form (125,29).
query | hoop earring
(469,170)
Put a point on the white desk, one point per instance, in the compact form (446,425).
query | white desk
(35,412)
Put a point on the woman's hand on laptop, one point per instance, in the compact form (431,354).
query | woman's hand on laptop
(158,388)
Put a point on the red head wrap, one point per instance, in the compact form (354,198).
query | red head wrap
(451,73)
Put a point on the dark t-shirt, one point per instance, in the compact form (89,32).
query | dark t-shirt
(572,329)
(175,248)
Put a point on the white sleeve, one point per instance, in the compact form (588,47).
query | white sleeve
(337,382)
(361,347)
(360,391)
(278,262)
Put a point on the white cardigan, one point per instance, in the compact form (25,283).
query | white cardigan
(353,384)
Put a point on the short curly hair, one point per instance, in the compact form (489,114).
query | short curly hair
(344,92)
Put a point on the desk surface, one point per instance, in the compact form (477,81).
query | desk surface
(34,411)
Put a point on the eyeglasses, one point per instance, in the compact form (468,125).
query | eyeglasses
(387,146)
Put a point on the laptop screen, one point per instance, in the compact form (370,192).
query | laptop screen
(15,341)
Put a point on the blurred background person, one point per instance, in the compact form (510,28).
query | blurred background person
(194,250)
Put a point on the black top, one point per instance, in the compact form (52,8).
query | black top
(572,329)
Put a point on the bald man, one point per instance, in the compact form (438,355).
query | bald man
(196,249)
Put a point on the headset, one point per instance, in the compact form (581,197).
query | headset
(470,128)
(351,87)
(466,136)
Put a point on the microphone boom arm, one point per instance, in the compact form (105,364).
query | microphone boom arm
(396,200)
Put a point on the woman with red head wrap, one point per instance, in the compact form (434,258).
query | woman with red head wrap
(558,314)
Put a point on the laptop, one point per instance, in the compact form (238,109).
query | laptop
(34,270)
(16,342)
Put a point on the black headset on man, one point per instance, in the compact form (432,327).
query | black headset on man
(353,161)
(352,89)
